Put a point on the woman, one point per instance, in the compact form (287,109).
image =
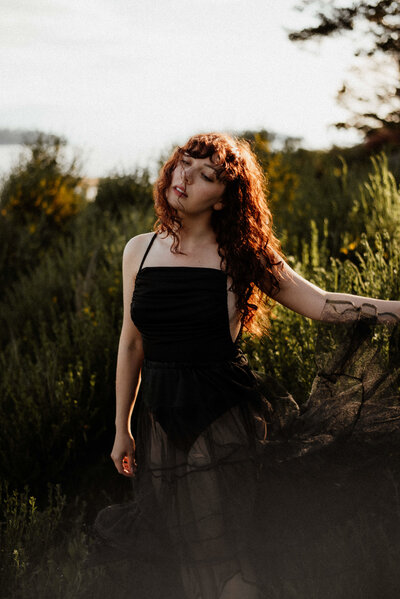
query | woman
(200,421)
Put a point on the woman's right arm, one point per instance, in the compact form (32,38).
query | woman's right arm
(129,363)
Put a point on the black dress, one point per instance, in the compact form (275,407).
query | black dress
(224,496)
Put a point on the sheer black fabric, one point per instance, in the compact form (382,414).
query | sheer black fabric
(235,483)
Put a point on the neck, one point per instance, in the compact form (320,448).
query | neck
(196,232)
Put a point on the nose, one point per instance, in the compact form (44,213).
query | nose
(186,173)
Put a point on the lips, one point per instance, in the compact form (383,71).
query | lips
(179,191)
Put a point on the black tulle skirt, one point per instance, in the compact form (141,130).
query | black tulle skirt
(239,493)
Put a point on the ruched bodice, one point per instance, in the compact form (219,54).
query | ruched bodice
(192,371)
(182,313)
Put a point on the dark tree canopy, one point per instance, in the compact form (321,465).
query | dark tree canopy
(379,24)
(382,19)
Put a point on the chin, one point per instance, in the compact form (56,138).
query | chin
(174,202)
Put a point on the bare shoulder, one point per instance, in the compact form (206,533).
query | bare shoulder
(134,250)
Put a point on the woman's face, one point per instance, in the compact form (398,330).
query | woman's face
(194,187)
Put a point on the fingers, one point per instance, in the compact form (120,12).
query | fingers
(125,464)
(129,465)
(123,454)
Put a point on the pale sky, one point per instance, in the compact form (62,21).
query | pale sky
(123,80)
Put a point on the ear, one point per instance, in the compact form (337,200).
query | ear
(218,206)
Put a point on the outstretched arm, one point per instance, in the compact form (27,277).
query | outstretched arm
(307,299)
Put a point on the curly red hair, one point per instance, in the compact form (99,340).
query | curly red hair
(243,228)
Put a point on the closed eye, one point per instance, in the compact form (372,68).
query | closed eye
(203,175)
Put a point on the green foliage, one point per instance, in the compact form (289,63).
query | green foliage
(61,320)
(335,189)
(288,353)
(337,215)
(377,207)
(323,194)
(282,180)
(342,194)
(40,190)
(37,200)
(60,326)
(117,192)
(42,550)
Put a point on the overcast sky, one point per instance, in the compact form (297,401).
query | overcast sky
(125,79)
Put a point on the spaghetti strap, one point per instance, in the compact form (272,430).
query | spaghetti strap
(147,251)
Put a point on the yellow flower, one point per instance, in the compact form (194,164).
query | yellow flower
(350,247)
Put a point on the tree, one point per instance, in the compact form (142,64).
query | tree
(378,21)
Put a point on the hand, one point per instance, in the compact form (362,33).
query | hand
(123,454)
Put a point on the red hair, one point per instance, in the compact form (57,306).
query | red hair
(243,227)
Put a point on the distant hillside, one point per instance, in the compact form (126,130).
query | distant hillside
(20,136)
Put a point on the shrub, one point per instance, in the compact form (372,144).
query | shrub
(40,190)
(37,200)
(120,191)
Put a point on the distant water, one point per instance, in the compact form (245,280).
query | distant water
(9,154)
(97,166)
(98,162)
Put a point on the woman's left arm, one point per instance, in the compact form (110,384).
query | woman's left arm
(307,299)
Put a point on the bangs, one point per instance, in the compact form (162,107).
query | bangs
(217,151)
